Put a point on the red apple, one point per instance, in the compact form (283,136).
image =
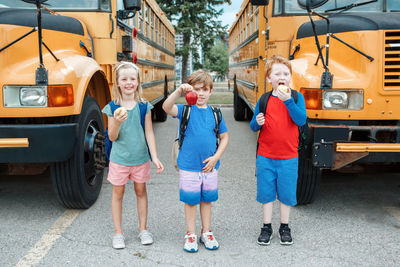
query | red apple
(191,98)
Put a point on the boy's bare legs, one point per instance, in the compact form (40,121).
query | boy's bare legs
(190,216)
(285,213)
(267,212)
(142,203)
(205,213)
(116,207)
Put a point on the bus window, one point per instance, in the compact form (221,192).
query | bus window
(292,7)
(105,5)
(152,24)
(393,5)
(62,4)
(256,19)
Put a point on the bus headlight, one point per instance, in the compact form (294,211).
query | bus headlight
(35,96)
(338,99)
(342,99)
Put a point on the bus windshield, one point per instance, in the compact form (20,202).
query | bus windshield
(291,6)
(104,5)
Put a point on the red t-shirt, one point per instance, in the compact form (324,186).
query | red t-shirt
(279,136)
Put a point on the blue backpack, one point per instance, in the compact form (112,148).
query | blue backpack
(142,109)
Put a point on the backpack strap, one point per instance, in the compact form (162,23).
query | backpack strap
(142,110)
(184,123)
(265,97)
(113,106)
(218,117)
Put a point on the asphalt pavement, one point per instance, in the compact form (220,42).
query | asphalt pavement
(355,221)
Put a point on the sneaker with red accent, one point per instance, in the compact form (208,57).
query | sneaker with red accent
(190,244)
(209,240)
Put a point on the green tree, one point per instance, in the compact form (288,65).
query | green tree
(217,59)
(197,21)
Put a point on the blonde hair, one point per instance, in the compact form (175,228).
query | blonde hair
(276,60)
(116,91)
(200,76)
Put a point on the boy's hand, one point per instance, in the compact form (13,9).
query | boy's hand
(282,95)
(185,87)
(260,119)
(211,162)
(159,166)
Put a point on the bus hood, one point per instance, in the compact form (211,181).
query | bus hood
(28,18)
(352,22)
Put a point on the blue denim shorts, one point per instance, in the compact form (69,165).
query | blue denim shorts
(277,178)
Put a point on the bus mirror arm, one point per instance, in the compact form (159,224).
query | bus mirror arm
(296,49)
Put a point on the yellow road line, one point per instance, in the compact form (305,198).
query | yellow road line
(42,247)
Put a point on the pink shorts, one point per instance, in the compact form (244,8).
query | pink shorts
(121,174)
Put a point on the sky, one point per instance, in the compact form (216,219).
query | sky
(229,14)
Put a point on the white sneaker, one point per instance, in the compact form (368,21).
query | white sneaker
(209,240)
(190,243)
(118,241)
(146,238)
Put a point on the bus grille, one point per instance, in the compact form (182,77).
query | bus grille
(391,81)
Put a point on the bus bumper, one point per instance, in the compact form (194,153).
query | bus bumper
(37,143)
(333,147)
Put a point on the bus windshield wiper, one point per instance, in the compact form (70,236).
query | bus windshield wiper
(345,8)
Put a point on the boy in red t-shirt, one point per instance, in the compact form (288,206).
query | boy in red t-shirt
(277,154)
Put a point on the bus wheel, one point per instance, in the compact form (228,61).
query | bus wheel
(159,114)
(77,181)
(239,107)
(308,180)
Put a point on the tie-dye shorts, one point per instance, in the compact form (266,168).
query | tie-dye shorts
(198,186)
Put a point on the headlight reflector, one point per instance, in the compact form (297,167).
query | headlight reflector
(33,96)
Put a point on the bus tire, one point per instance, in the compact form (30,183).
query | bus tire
(239,107)
(308,181)
(77,182)
(159,113)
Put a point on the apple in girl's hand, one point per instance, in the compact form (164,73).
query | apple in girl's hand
(121,111)
(191,98)
(283,88)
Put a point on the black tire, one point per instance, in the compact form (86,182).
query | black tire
(239,107)
(77,181)
(308,181)
(158,112)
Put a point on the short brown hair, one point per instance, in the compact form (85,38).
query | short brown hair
(276,60)
(200,76)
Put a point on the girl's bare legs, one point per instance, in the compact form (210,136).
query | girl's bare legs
(285,213)
(116,207)
(190,216)
(142,203)
(205,213)
(267,212)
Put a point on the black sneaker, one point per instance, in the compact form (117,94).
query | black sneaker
(265,236)
(285,236)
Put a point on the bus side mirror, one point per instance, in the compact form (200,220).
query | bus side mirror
(133,5)
(259,2)
(310,4)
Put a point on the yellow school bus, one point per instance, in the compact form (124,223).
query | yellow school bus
(56,62)
(345,57)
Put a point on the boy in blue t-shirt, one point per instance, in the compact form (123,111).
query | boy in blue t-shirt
(198,159)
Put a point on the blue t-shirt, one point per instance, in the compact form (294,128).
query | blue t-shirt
(200,141)
(130,147)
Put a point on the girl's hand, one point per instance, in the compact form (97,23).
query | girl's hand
(120,117)
(283,95)
(211,162)
(260,118)
(159,166)
(184,88)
